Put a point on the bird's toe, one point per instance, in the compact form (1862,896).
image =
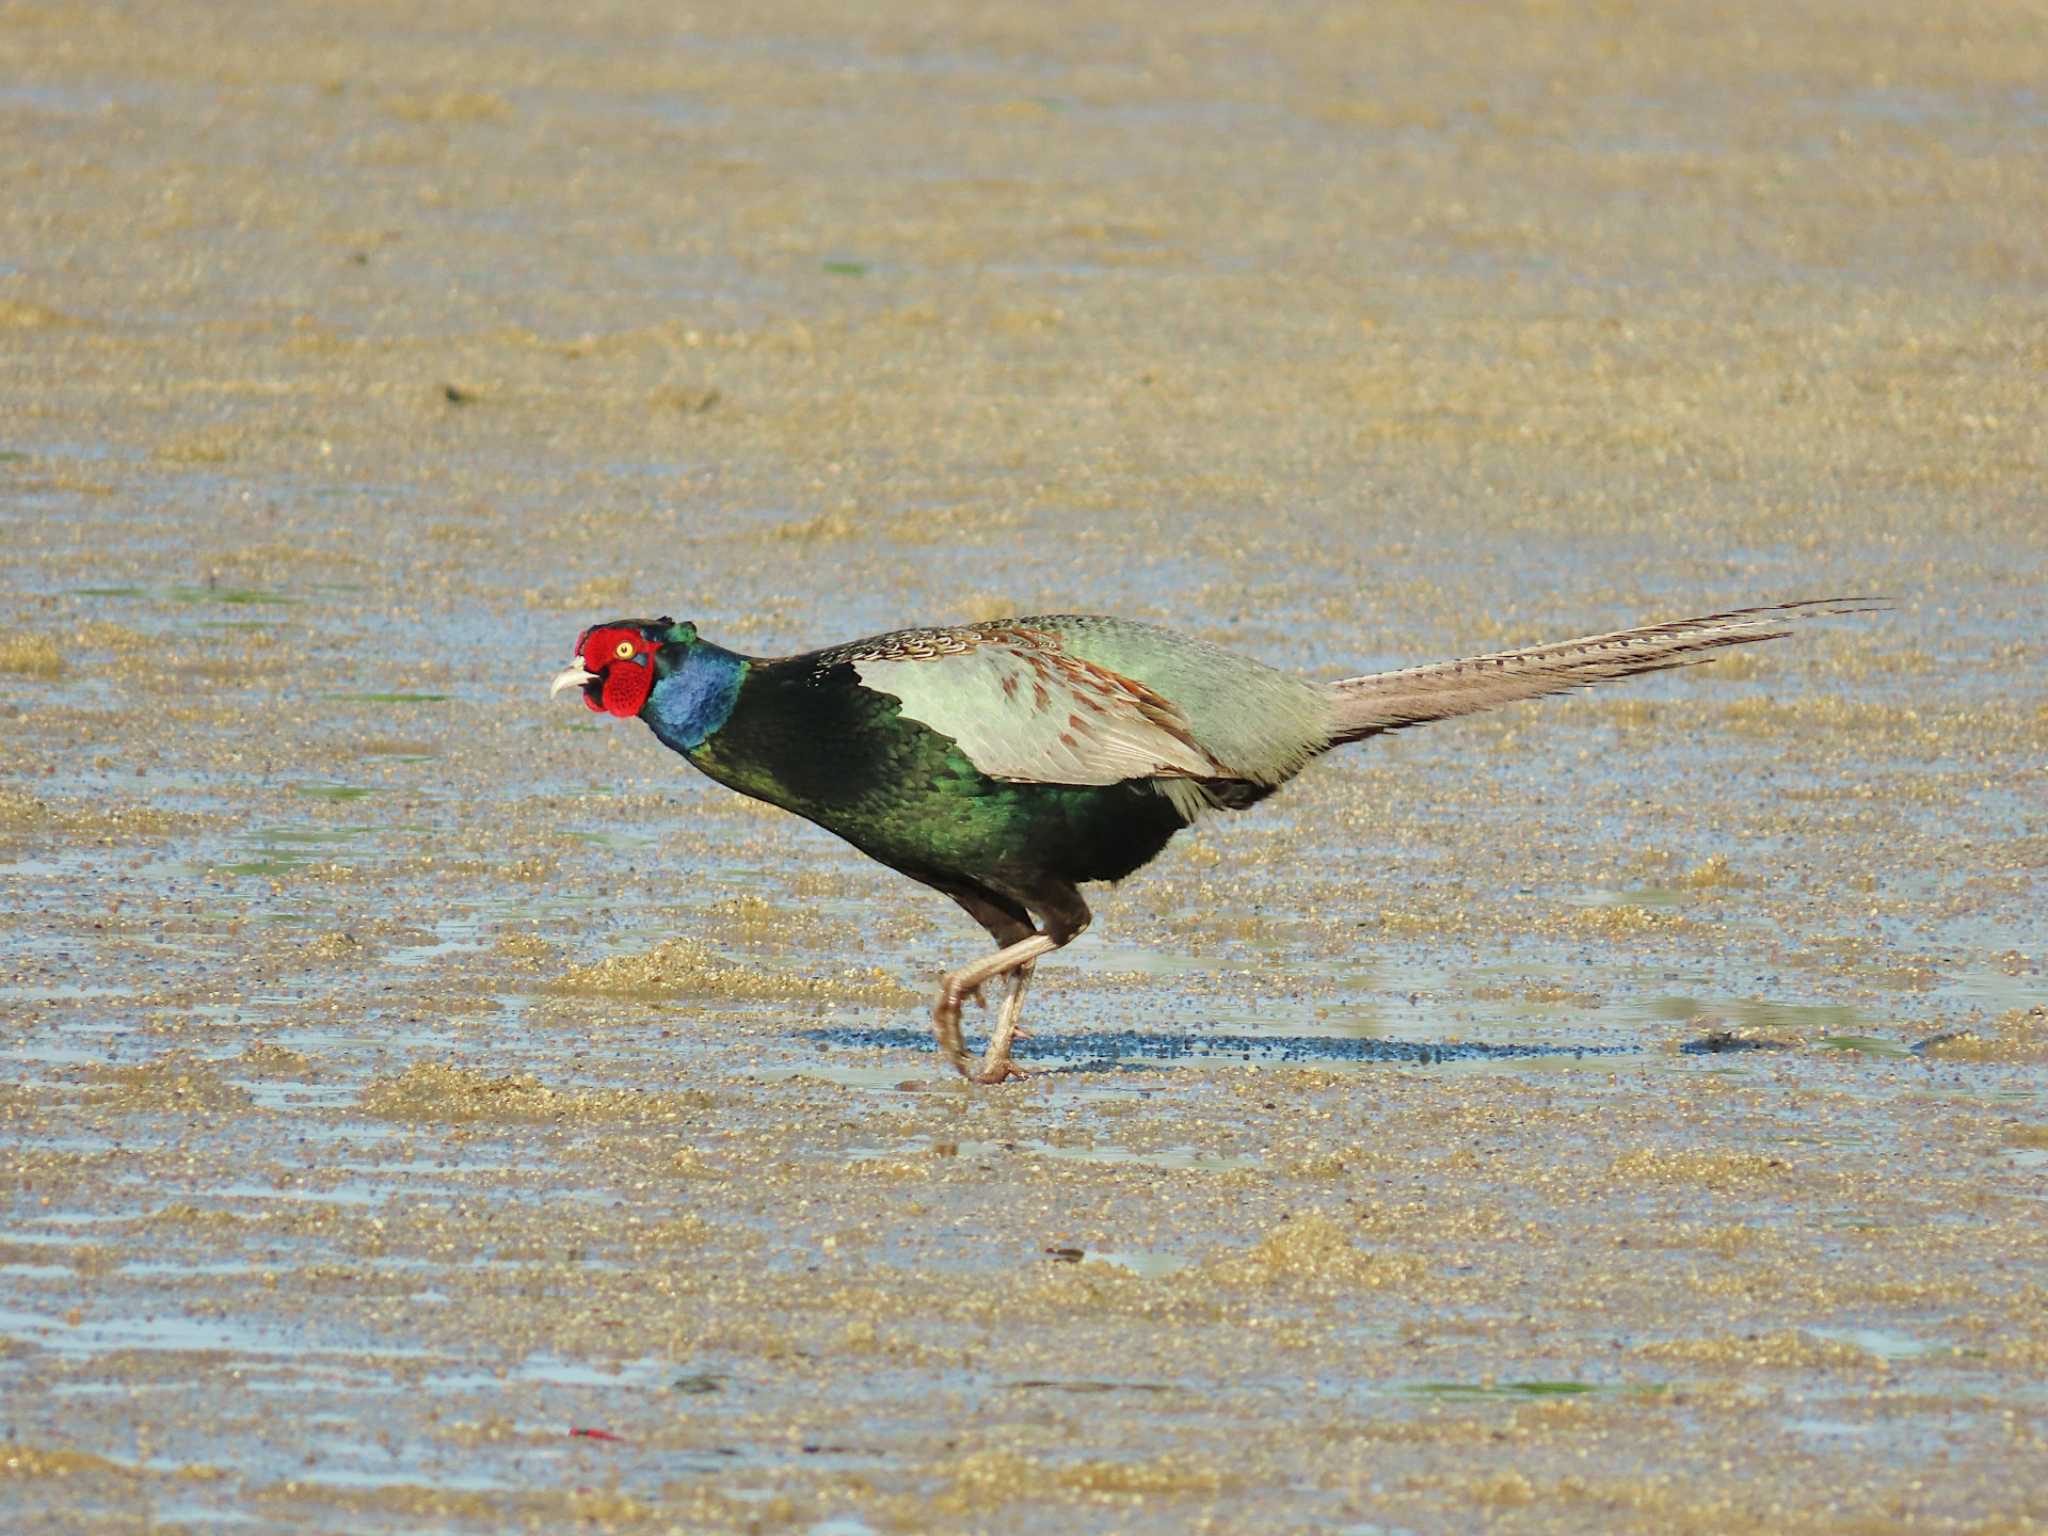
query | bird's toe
(946,1027)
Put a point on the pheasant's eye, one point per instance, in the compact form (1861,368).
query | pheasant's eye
(624,650)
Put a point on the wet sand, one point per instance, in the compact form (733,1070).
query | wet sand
(428,1109)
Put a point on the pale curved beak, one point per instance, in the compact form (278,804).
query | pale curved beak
(575,677)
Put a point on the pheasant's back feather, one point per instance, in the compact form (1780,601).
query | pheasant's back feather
(1087,699)
(1025,709)
(1262,723)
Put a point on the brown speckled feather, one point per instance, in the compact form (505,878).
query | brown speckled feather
(1392,701)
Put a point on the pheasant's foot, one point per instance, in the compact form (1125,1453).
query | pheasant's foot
(946,1026)
(1013,961)
(1001,1072)
(996,1066)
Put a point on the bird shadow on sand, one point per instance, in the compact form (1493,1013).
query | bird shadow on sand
(1125,1050)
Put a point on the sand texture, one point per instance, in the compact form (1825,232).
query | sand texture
(428,1108)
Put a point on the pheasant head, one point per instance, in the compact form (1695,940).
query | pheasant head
(618,663)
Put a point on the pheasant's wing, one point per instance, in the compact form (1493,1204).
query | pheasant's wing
(1022,707)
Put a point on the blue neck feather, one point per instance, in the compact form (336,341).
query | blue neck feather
(696,696)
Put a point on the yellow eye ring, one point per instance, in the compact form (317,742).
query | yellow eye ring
(624,650)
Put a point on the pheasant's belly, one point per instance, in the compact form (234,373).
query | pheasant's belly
(911,798)
(1020,832)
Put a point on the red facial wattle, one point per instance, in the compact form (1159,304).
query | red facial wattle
(623,662)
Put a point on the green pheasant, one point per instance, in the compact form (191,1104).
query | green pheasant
(1009,763)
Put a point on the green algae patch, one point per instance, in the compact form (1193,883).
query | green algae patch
(681,967)
(1863,1045)
(336,792)
(233,597)
(431,1092)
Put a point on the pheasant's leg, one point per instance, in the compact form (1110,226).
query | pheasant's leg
(996,1066)
(1007,923)
(1058,905)
(1007,917)
(955,985)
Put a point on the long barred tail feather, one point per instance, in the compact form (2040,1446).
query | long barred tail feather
(1393,701)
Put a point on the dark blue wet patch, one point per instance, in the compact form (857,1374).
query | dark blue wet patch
(1722,1043)
(1131,1050)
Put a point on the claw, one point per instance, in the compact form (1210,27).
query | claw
(946,1025)
(988,1077)
(955,987)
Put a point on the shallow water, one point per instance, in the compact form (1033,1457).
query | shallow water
(426,1108)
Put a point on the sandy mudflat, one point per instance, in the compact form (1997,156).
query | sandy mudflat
(399,1075)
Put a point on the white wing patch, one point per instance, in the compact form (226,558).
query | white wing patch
(1022,708)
